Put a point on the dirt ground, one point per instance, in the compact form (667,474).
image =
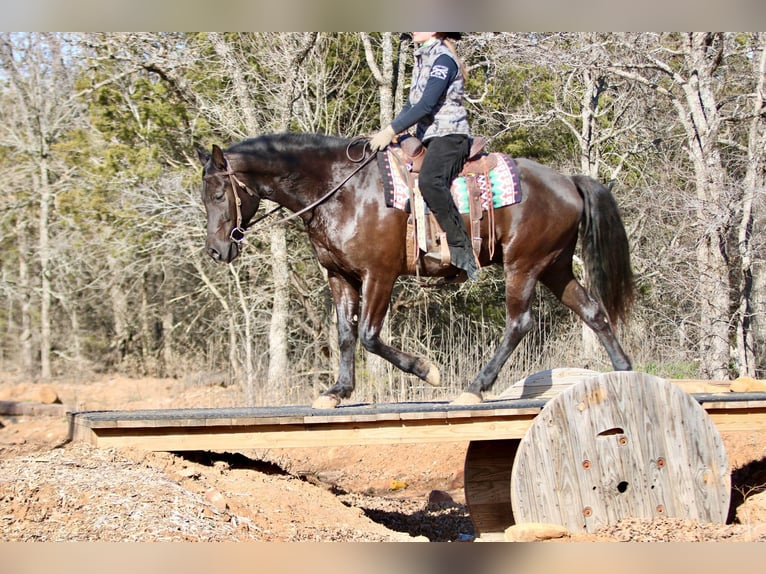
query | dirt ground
(51,490)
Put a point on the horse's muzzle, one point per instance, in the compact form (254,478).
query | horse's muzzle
(222,252)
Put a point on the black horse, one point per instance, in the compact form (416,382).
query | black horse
(361,243)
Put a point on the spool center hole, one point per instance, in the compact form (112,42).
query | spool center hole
(622,486)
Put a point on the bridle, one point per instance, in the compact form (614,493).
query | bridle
(239,232)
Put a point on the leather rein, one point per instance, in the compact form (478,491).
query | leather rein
(239,232)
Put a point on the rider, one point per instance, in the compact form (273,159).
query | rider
(435,104)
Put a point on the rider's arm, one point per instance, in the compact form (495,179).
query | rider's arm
(443,72)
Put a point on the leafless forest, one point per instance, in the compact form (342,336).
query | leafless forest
(102,226)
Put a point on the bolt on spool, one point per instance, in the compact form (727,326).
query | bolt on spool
(587,511)
(660,462)
(586,464)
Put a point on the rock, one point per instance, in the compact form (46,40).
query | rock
(753,510)
(216,500)
(330,477)
(534,531)
(439,499)
(46,394)
(188,472)
(36,393)
(747,385)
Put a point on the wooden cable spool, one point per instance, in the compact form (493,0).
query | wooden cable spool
(618,445)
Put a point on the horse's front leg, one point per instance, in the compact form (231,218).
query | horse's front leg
(346,298)
(376,296)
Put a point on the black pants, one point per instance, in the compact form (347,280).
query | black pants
(443,162)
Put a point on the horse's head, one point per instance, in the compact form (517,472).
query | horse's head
(228,203)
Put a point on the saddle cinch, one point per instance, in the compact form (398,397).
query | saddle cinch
(423,230)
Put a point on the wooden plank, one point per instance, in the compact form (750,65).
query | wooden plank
(174,438)
(731,418)
(695,386)
(297,415)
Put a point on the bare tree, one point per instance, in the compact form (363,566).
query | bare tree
(751,315)
(593,107)
(683,69)
(286,63)
(383,72)
(41,85)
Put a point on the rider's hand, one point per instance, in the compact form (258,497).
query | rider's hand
(380,140)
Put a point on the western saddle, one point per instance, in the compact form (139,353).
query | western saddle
(413,152)
(425,233)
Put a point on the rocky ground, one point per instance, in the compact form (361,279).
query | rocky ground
(51,490)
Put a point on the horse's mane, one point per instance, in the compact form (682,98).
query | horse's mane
(289,143)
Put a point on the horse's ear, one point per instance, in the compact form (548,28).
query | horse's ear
(203,156)
(218,160)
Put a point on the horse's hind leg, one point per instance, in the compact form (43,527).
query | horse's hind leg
(519,292)
(346,299)
(563,284)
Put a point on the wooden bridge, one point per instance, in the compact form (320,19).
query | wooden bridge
(635,445)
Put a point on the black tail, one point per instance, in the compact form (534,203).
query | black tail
(606,252)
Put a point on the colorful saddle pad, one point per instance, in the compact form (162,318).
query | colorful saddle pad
(501,184)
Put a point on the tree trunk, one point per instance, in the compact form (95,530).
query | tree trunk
(384,74)
(401,74)
(280,268)
(148,362)
(234,370)
(759,306)
(247,338)
(46,198)
(167,362)
(25,294)
(119,301)
(703,126)
(750,324)
(278,362)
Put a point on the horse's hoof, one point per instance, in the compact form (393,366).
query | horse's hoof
(325,402)
(433,377)
(467,398)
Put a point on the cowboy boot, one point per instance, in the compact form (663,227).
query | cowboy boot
(461,251)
